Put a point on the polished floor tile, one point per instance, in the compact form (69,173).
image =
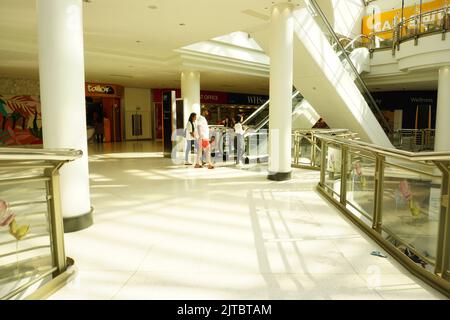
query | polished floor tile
(168,231)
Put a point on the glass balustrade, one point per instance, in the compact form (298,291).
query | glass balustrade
(399,198)
(31,229)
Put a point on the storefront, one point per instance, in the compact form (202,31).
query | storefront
(103,103)
(221,105)
(408,109)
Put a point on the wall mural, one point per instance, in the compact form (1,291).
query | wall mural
(20,120)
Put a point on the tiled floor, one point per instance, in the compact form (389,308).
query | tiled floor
(164,231)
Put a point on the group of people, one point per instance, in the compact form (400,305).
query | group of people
(198,136)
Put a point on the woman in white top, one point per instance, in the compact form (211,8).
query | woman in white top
(191,136)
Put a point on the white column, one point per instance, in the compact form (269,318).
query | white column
(190,92)
(61,74)
(442,140)
(280,111)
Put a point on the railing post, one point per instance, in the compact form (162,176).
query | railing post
(399,33)
(56,220)
(323,159)
(416,35)
(313,149)
(443,245)
(394,35)
(379,188)
(296,148)
(445,22)
(343,191)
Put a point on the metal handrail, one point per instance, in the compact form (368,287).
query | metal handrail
(396,32)
(403,154)
(22,154)
(372,103)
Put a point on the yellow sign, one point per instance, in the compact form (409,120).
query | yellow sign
(384,21)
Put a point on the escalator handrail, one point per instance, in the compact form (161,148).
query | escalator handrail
(263,106)
(349,61)
(266,119)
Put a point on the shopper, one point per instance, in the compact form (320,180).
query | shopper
(239,131)
(99,130)
(203,141)
(191,136)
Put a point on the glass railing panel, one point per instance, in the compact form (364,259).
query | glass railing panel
(361,185)
(317,154)
(427,22)
(333,170)
(402,208)
(256,146)
(305,149)
(25,243)
(411,210)
(382,40)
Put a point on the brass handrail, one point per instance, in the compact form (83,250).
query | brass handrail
(23,154)
(403,154)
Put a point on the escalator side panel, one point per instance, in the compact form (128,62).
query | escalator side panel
(322,79)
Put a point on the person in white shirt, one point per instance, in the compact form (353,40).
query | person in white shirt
(239,131)
(203,141)
(191,136)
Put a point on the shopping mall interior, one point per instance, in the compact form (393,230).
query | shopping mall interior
(246,149)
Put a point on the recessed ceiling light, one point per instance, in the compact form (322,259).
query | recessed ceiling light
(153,7)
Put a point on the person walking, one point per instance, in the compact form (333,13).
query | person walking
(239,131)
(99,130)
(203,141)
(191,136)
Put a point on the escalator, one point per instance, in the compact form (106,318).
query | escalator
(256,137)
(327,77)
(259,119)
(327,73)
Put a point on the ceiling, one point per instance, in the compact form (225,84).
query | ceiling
(132,42)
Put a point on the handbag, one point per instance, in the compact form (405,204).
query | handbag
(205,143)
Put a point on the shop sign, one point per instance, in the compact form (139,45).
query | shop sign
(384,21)
(98,88)
(246,99)
(103,90)
(213,97)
